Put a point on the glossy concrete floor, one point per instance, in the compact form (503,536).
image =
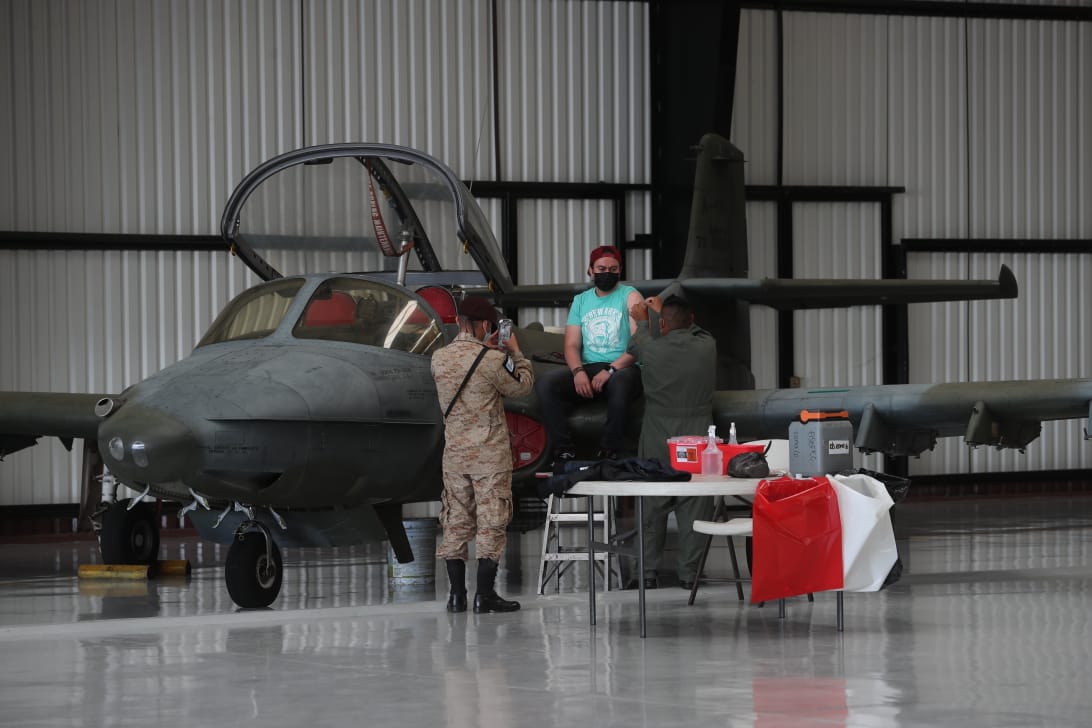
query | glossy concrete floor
(989,626)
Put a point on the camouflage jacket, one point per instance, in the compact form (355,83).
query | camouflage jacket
(476,433)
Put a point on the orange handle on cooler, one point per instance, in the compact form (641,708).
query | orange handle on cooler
(808,416)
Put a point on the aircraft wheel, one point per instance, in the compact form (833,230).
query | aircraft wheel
(129,536)
(253,578)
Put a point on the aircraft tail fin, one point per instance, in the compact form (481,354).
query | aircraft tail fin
(716,246)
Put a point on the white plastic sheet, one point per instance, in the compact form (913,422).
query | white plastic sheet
(868,540)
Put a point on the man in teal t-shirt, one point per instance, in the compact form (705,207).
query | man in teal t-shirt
(596,338)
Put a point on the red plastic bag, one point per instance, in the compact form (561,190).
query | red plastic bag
(797,539)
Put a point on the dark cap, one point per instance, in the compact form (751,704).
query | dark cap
(478,308)
(604,251)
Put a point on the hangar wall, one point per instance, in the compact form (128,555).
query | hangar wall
(123,117)
(988,125)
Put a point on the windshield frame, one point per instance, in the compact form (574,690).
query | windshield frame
(219,330)
(366,311)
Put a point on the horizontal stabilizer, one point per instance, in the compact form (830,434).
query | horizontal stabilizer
(561,294)
(799,293)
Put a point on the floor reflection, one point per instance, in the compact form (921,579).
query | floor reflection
(986,628)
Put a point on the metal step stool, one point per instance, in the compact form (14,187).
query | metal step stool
(558,557)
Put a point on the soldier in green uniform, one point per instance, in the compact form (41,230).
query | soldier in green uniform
(678,367)
(473,375)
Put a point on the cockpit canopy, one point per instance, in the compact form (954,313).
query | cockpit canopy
(354,208)
(346,309)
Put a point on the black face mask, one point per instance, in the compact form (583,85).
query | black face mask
(606,281)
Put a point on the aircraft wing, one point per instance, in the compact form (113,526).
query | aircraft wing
(906,419)
(26,416)
(789,294)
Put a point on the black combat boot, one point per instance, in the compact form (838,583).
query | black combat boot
(456,574)
(487,599)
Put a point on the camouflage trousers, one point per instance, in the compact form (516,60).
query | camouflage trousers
(478,508)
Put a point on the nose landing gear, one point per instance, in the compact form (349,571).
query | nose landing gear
(129,534)
(254,568)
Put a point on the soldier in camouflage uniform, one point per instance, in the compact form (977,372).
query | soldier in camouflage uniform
(476,502)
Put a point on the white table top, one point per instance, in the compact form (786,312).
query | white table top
(697,485)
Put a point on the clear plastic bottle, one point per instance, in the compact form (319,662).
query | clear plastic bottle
(712,459)
(732,434)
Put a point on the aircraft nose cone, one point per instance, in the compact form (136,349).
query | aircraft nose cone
(147,445)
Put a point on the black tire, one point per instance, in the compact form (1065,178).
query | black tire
(129,536)
(253,580)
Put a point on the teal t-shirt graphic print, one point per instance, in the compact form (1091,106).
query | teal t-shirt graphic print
(603,322)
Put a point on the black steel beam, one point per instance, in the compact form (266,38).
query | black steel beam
(15,240)
(491,189)
(927,8)
(996,245)
(821,193)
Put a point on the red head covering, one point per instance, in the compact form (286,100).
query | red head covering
(604,251)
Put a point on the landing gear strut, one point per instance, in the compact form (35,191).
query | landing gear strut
(129,535)
(254,568)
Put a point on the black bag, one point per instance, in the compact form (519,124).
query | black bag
(749,465)
(574,471)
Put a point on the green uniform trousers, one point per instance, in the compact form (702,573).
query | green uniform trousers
(687,510)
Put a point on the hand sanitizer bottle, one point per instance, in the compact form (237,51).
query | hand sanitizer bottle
(732,434)
(712,459)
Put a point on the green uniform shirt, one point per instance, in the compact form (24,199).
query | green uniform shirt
(678,372)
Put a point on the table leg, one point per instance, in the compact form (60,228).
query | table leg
(591,557)
(641,561)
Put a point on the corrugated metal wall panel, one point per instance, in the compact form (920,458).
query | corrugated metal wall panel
(837,347)
(1023,88)
(836,133)
(574,91)
(1028,136)
(836,87)
(939,350)
(929,157)
(1084,121)
(415,73)
(8,143)
(928,140)
(97,322)
(179,100)
(1040,335)
(175,102)
(843,346)
(754,110)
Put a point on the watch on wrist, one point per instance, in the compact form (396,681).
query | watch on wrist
(611,369)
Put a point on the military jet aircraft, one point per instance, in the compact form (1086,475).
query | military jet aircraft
(307,415)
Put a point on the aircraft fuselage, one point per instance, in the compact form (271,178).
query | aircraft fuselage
(311,424)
